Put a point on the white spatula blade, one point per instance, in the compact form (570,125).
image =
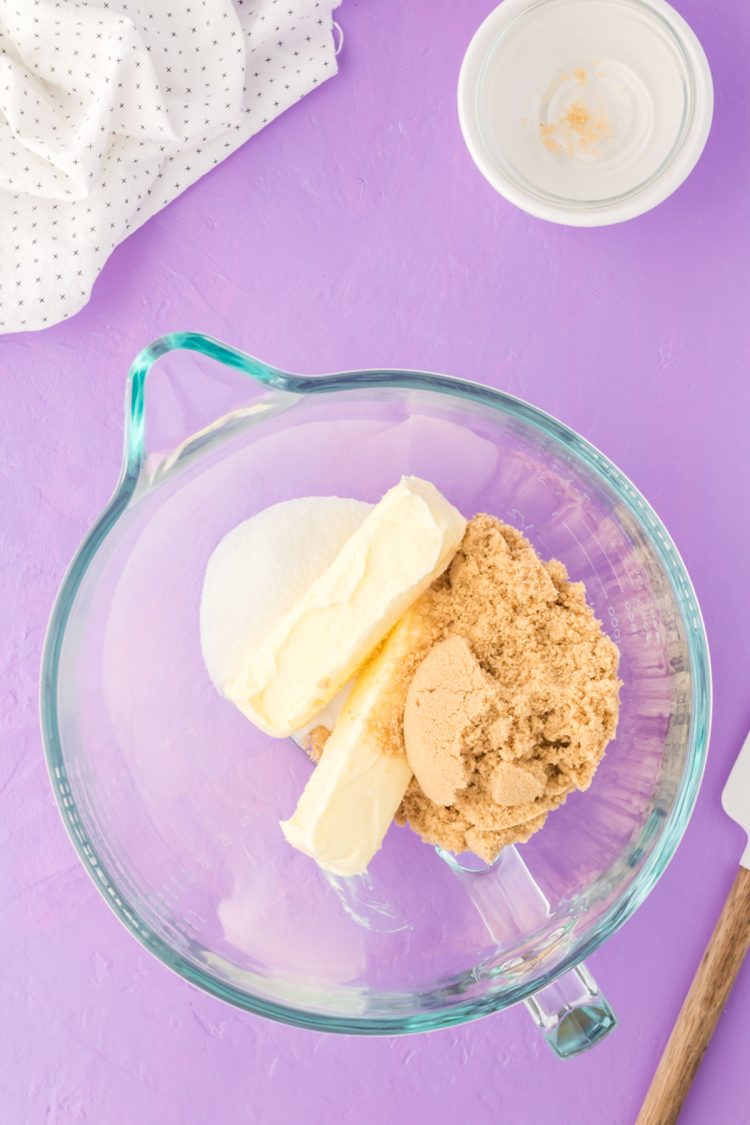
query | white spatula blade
(736,795)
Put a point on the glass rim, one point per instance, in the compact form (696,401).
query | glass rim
(663,181)
(477,394)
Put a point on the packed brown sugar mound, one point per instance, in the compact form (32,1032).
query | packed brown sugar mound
(512,705)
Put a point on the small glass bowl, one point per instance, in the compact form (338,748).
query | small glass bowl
(585,112)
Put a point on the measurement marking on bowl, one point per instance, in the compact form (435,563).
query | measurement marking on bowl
(518,519)
(596,539)
(588,558)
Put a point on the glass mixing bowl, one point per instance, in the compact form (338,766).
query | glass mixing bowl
(173,799)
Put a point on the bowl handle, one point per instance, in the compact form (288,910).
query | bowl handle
(572,1013)
(185,411)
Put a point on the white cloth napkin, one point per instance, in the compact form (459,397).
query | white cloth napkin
(110,108)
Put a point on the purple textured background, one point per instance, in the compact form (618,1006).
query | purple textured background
(355,232)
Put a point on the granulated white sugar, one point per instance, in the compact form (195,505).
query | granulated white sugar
(261,567)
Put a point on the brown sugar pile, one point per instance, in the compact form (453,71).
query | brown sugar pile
(513,707)
(508,704)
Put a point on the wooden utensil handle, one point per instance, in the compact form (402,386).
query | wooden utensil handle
(701,1009)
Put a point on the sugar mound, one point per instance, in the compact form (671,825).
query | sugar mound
(261,567)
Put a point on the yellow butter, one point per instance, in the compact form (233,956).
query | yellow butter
(354,792)
(400,547)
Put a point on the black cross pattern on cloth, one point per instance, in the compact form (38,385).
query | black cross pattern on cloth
(110,108)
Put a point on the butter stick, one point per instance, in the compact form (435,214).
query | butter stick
(354,792)
(404,543)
